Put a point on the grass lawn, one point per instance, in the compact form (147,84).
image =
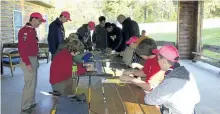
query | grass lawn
(164,36)
(209,36)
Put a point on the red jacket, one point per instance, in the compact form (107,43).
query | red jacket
(61,67)
(27,43)
(151,67)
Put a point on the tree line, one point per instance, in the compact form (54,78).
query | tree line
(143,11)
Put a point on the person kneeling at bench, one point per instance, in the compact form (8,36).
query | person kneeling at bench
(61,67)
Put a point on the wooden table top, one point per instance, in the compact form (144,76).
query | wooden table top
(106,98)
(110,98)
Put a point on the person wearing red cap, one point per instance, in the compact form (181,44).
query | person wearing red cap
(28,50)
(143,36)
(150,70)
(91,25)
(56,33)
(178,93)
(132,41)
(84,34)
(129,56)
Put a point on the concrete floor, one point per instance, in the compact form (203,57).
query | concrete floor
(207,78)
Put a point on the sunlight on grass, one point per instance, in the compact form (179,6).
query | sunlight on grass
(209,36)
(212,54)
(164,36)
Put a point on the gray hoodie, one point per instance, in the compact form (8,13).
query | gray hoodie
(178,93)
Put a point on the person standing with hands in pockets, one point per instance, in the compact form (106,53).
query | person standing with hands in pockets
(28,50)
(56,34)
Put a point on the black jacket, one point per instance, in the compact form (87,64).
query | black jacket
(84,36)
(100,37)
(115,44)
(129,28)
(56,35)
(83,33)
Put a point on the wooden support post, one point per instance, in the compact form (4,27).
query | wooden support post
(187,28)
(199,25)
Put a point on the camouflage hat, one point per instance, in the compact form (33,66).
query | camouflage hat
(75,45)
(71,37)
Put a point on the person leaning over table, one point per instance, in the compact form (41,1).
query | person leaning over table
(114,37)
(143,36)
(61,67)
(129,28)
(137,62)
(78,59)
(28,50)
(178,93)
(151,69)
(100,36)
(141,61)
(129,51)
(84,34)
(70,38)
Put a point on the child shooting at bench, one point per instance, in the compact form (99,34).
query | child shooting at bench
(151,69)
(61,67)
(143,36)
(129,55)
(178,93)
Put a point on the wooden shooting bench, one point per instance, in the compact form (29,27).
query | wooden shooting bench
(105,98)
(9,57)
(209,54)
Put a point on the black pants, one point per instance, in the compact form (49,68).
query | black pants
(52,56)
(88,46)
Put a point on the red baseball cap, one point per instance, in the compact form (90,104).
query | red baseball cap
(91,25)
(133,39)
(37,15)
(66,14)
(169,52)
